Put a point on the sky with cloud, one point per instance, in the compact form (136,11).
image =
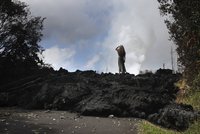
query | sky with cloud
(83,34)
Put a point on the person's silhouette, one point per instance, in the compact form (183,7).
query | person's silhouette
(121,59)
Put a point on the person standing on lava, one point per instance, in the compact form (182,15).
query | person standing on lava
(121,59)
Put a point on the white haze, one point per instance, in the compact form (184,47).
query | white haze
(136,24)
(139,27)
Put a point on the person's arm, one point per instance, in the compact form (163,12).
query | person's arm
(117,48)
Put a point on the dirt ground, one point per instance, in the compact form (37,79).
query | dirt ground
(18,121)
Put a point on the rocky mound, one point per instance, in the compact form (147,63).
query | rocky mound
(148,96)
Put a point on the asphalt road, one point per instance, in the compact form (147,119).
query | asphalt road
(18,121)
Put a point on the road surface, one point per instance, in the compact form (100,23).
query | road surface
(18,121)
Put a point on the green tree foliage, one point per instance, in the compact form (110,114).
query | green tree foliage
(184,27)
(20,34)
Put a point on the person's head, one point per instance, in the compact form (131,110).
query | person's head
(121,51)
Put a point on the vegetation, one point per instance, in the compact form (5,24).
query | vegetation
(191,98)
(148,128)
(184,27)
(20,34)
(186,96)
(191,95)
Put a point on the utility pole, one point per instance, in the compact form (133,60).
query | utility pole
(163,65)
(172,59)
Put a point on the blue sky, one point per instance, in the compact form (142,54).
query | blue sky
(83,34)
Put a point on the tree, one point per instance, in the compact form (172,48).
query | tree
(20,34)
(184,27)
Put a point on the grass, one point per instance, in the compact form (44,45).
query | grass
(146,127)
(185,96)
(191,98)
(188,96)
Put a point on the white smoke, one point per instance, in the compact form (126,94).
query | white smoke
(102,26)
(91,63)
(59,57)
(134,27)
